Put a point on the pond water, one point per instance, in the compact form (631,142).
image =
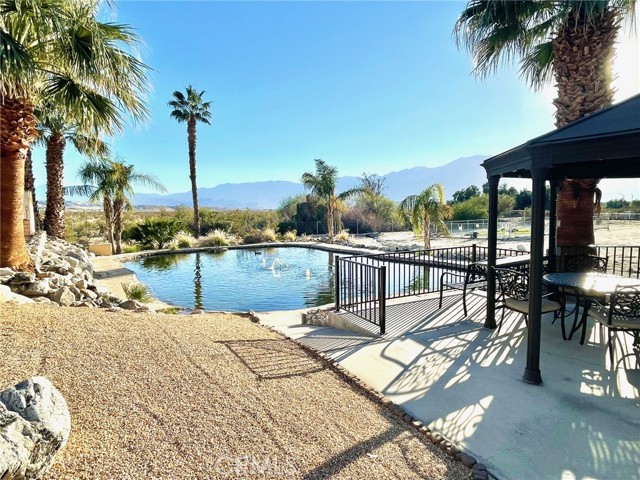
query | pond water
(261,279)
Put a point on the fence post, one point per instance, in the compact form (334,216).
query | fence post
(473,253)
(382,295)
(337,279)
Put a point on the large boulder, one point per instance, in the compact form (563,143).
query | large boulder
(34,425)
(63,296)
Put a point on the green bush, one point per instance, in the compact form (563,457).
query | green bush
(153,232)
(268,235)
(184,240)
(136,291)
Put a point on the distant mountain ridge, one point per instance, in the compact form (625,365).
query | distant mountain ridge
(268,194)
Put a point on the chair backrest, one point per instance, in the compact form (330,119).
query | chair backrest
(512,283)
(585,263)
(625,302)
(475,273)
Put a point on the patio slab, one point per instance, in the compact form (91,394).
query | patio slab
(466,382)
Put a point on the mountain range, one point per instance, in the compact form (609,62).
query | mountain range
(268,194)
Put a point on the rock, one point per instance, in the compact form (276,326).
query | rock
(46,301)
(197,311)
(22,278)
(5,294)
(74,262)
(81,284)
(130,305)
(39,288)
(89,294)
(5,278)
(64,296)
(34,425)
(4,271)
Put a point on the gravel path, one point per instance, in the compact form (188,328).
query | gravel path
(207,396)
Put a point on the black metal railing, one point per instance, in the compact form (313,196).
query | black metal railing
(360,290)
(365,282)
(623,260)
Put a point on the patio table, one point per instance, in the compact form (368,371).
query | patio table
(591,285)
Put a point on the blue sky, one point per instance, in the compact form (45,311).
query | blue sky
(367,86)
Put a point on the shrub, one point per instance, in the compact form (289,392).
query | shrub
(153,232)
(252,236)
(342,236)
(217,238)
(268,235)
(136,291)
(184,240)
(290,236)
(131,249)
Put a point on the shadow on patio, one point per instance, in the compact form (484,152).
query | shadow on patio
(465,381)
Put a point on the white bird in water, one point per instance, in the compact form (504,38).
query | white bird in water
(307,273)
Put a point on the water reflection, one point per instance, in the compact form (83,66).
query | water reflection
(197,282)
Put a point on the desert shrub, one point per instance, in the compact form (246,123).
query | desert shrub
(342,236)
(153,232)
(131,248)
(217,238)
(136,291)
(184,240)
(252,236)
(268,235)
(290,236)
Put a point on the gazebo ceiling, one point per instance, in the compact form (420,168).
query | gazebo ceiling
(603,145)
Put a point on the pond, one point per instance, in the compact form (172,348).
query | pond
(260,279)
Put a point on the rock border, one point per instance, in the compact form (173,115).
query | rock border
(478,470)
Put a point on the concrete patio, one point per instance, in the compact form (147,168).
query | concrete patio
(465,382)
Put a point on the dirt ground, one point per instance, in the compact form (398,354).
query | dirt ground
(618,233)
(156,396)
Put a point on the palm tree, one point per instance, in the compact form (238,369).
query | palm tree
(111,181)
(322,184)
(426,209)
(571,41)
(191,109)
(59,52)
(55,131)
(30,186)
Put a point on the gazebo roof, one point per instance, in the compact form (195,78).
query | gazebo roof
(605,144)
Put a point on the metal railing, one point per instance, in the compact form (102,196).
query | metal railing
(365,282)
(360,290)
(623,260)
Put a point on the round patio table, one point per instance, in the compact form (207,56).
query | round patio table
(591,285)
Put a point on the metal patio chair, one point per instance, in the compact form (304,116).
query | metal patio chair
(474,278)
(513,294)
(621,315)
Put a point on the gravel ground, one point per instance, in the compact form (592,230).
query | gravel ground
(206,396)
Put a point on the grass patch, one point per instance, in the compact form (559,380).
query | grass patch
(136,291)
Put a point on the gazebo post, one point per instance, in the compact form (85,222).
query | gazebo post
(492,239)
(532,371)
(553,220)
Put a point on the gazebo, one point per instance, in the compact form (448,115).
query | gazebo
(603,145)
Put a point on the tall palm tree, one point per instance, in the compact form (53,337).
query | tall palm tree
(111,181)
(571,41)
(56,129)
(426,209)
(322,184)
(59,52)
(191,109)
(30,186)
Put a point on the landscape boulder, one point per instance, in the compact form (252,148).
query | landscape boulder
(64,296)
(34,425)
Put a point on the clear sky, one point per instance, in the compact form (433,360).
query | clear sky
(366,86)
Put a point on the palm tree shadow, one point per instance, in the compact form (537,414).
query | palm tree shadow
(273,359)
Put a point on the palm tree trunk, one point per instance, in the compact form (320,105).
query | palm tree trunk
(426,223)
(30,185)
(107,206)
(118,213)
(17,131)
(583,51)
(330,222)
(54,213)
(191,130)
